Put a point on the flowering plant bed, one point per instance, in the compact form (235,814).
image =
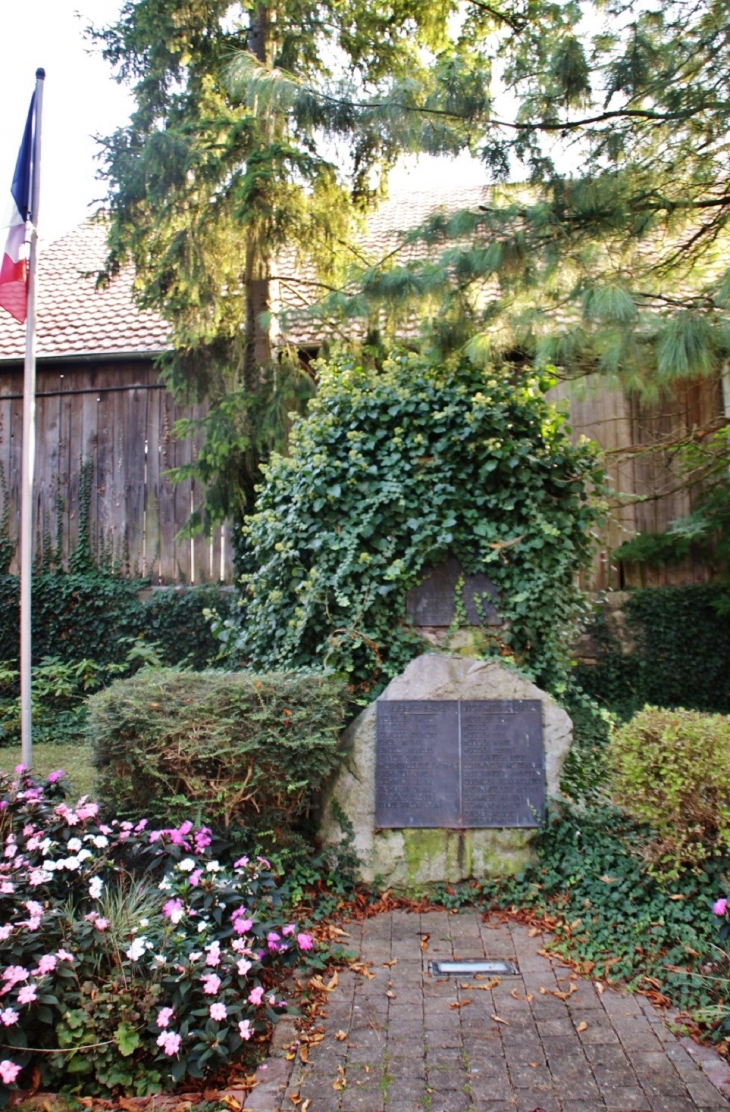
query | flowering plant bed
(131,959)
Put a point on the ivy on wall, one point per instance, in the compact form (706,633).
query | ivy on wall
(392,471)
(680,655)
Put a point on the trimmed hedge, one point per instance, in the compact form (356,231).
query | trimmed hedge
(229,748)
(95,616)
(671,770)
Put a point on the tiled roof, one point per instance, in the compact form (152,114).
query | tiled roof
(76,319)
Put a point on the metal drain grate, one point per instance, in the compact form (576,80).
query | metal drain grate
(472,968)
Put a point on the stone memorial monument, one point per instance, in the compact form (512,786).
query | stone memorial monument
(446,775)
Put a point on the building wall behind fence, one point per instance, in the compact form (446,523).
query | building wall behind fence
(118,418)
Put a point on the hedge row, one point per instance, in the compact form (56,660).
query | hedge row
(96,616)
(681,655)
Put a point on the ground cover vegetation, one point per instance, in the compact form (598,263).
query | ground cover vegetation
(131,958)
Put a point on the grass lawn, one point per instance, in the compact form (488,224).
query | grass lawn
(75,760)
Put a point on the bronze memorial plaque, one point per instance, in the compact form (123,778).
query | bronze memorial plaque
(446,763)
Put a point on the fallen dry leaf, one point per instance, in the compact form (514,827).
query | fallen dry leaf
(459,1004)
(582,1026)
(565,995)
(497,1019)
(388,964)
(304,1054)
(529,997)
(340,1036)
(295,1099)
(543,991)
(362,968)
(333,981)
(600,987)
(608,879)
(390,995)
(424,942)
(534,1065)
(306,1105)
(533,932)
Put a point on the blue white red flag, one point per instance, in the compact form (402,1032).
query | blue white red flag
(14,265)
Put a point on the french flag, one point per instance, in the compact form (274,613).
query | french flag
(14,266)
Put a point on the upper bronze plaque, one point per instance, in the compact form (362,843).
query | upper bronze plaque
(443,763)
(433,601)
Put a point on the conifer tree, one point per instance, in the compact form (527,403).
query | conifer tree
(212,177)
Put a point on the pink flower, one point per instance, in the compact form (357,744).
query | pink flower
(218,1011)
(305,941)
(266,864)
(174,910)
(170,1042)
(195,877)
(243,967)
(20,769)
(272,1000)
(213,956)
(255,995)
(7,888)
(102,924)
(272,938)
(202,838)
(34,908)
(15,973)
(46,964)
(244,1029)
(720,907)
(54,777)
(8,1071)
(164,1016)
(211,984)
(8,1017)
(63,955)
(241,863)
(27,994)
(288,929)
(242,926)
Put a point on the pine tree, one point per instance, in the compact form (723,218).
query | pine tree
(602,242)
(214,176)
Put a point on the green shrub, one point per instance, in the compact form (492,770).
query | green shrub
(392,471)
(671,770)
(233,747)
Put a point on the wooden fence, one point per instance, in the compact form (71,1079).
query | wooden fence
(647,494)
(116,418)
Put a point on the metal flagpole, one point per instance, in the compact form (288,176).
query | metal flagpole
(26,517)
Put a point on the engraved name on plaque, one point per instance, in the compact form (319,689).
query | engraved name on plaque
(445,763)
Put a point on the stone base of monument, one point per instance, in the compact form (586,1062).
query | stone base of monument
(418,852)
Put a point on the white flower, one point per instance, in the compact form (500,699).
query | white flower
(39,876)
(177,915)
(164,885)
(49,866)
(195,955)
(144,922)
(74,845)
(96,884)
(158,960)
(100,841)
(85,854)
(187,865)
(137,948)
(212,867)
(202,927)
(72,864)
(45,846)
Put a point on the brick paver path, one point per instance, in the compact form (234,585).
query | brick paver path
(408,1047)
